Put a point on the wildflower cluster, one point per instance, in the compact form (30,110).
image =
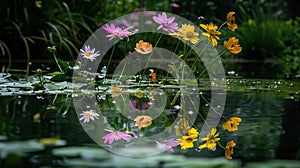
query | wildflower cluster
(135,118)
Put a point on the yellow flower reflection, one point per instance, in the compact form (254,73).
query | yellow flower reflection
(143,47)
(143,121)
(115,91)
(229,149)
(193,133)
(211,140)
(231,21)
(187,33)
(186,142)
(211,33)
(232,124)
(139,94)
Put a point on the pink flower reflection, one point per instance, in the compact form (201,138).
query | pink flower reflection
(167,145)
(115,136)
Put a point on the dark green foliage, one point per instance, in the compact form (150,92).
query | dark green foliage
(27,28)
(292,51)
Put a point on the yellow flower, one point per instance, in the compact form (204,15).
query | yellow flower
(193,133)
(115,91)
(139,94)
(211,140)
(186,142)
(211,32)
(229,149)
(187,33)
(143,47)
(143,121)
(232,124)
(231,21)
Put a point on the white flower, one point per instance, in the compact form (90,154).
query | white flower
(89,115)
(89,53)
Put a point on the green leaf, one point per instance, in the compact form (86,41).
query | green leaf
(62,65)
(56,73)
(60,78)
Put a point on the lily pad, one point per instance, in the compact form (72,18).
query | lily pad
(20,147)
(52,141)
(274,164)
(126,162)
(84,152)
(205,162)
(3,137)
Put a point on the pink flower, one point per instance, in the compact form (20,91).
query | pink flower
(115,136)
(167,24)
(167,145)
(148,22)
(115,32)
(175,5)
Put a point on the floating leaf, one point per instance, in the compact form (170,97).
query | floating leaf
(54,141)
(20,147)
(85,152)
(207,163)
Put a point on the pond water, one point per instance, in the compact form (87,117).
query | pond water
(270,129)
(41,128)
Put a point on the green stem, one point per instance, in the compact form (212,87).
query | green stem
(166,78)
(222,25)
(212,107)
(211,63)
(112,52)
(199,115)
(152,53)
(200,55)
(221,145)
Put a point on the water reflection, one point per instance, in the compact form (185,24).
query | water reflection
(269,130)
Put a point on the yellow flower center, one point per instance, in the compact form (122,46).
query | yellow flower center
(116,33)
(190,34)
(89,53)
(88,115)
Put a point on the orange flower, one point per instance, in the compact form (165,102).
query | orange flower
(232,124)
(229,149)
(232,45)
(231,21)
(143,47)
(152,76)
(143,121)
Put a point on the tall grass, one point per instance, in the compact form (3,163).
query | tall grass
(27,29)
